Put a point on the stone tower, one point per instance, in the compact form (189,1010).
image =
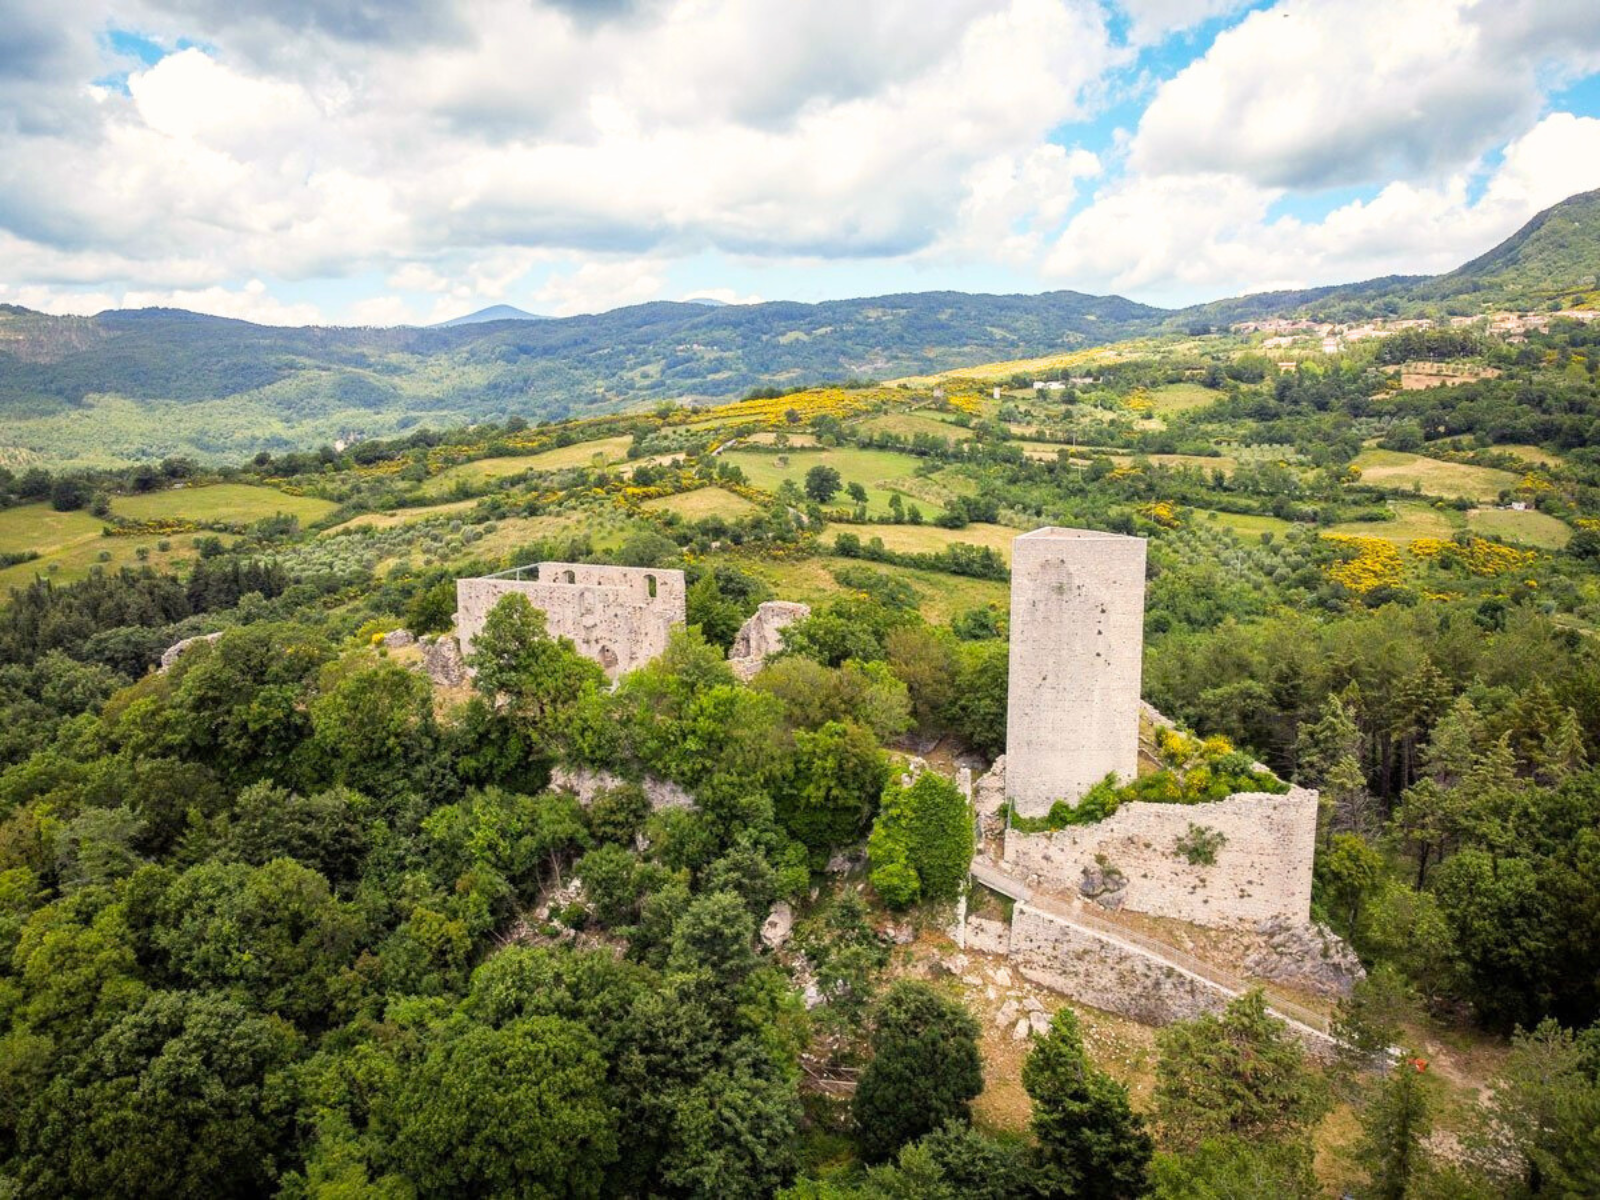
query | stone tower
(1077,642)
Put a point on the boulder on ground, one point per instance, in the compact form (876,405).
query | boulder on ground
(398,639)
(442,660)
(778,925)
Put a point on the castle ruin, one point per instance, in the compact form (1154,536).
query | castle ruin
(1077,643)
(1074,714)
(620,617)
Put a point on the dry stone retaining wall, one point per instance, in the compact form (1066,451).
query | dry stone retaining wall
(618,616)
(1262,870)
(1104,973)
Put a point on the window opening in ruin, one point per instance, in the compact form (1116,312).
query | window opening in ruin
(650,585)
(572,577)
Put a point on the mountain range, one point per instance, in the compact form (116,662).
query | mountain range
(163,381)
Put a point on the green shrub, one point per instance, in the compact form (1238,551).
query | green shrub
(922,842)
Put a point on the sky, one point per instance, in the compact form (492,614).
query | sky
(382,162)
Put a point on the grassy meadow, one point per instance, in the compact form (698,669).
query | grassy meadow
(881,472)
(1431,476)
(702,503)
(227,503)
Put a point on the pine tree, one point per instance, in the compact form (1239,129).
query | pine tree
(1326,742)
(1081,1117)
(1454,744)
(1395,1124)
(1563,753)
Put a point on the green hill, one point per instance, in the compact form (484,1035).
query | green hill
(1556,253)
(1552,261)
(131,385)
(161,381)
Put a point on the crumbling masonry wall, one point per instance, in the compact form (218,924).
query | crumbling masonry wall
(1077,641)
(1106,974)
(1262,869)
(620,617)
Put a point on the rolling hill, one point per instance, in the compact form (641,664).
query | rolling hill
(164,381)
(495,312)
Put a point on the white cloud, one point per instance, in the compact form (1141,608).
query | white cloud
(596,286)
(251,302)
(1183,238)
(1358,91)
(1558,158)
(383,311)
(473,147)
(1013,201)
(1154,20)
(462,152)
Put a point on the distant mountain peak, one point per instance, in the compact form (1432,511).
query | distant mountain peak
(495,312)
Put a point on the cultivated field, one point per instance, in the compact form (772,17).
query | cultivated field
(601,452)
(400,516)
(229,503)
(1413,519)
(1529,528)
(930,539)
(70,545)
(1179,397)
(939,596)
(908,425)
(881,472)
(1395,469)
(1246,525)
(704,502)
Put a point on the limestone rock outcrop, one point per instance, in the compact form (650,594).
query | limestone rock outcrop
(775,930)
(588,782)
(441,659)
(399,639)
(1306,954)
(762,635)
(178,649)
(989,792)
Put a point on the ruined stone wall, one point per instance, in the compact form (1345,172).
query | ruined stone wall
(1262,870)
(1106,972)
(1102,972)
(618,616)
(1077,640)
(762,634)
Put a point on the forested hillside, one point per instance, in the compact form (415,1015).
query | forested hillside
(155,382)
(163,382)
(304,915)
